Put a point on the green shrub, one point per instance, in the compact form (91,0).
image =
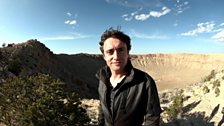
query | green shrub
(14,66)
(39,101)
(3,45)
(215,84)
(217,91)
(176,108)
(210,76)
(205,89)
(222,71)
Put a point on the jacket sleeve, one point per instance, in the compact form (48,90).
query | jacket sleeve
(153,110)
(101,121)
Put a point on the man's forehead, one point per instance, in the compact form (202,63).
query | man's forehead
(113,43)
(110,46)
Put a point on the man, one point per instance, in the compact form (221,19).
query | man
(128,96)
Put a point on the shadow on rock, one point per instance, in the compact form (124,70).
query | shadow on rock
(214,111)
(192,119)
(189,107)
(221,121)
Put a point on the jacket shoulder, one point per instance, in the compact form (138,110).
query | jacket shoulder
(141,74)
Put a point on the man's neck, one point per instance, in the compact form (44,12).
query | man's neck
(116,78)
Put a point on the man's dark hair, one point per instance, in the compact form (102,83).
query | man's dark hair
(115,33)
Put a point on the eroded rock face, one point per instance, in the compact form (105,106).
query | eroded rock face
(178,70)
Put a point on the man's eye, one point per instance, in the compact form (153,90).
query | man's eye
(120,50)
(110,52)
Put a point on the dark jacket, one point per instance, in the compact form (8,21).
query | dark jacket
(132,102)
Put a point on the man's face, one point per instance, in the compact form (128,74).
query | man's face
(115,54)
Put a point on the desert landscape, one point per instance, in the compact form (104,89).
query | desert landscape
(199,108)
(50,52)
(175,74)
(178,70)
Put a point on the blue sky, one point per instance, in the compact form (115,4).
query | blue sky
(155,26)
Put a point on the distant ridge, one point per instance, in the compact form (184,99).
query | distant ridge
(78,70)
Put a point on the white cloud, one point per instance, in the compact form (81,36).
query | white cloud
(126,18)
(57,38)
(146,36)
(164,11)
(185,3)
(219,37)
(135,3)
(205,27)
(181,6)
(222,24)
(69,14)
(71,22)
(208,27)
(142,17)
(190,33)
(129,18)
(67,22)
(78,35)
(201,28)
(157,14)
(73,36)
(176,23)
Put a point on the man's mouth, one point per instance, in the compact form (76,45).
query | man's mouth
(116,63)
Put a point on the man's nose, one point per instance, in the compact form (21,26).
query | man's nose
(116,54)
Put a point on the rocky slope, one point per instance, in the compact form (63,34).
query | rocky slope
(203,102)
(78,71)
(33,57)
(200,107)
(172,72)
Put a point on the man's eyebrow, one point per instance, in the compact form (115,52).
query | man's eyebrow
(114,48)
(109,49)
